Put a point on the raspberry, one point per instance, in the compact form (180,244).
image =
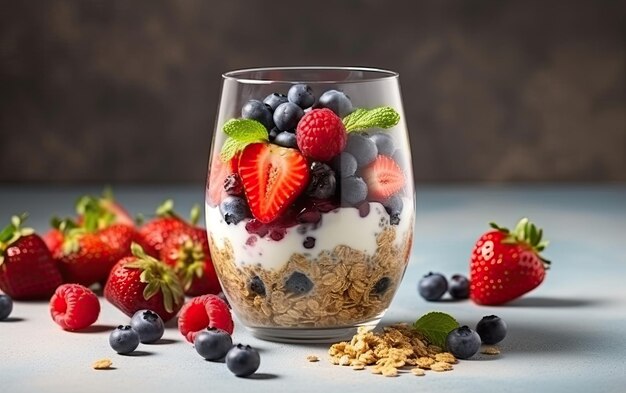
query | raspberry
(207,311)
(321,135)
(74,307)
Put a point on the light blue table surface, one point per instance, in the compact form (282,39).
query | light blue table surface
(569,335)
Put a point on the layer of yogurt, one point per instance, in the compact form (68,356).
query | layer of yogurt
(342,226)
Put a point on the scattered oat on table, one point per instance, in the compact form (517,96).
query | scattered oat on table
(441,366)
(312,358)
(490,350)
(397,346)
(418,372)
(102,364)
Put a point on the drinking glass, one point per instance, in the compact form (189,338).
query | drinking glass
(310,199)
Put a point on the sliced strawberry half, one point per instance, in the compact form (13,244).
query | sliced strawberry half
(272,178)
(383,178)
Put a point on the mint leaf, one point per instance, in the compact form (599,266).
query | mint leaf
(362,119)
(241,133)
(435,326)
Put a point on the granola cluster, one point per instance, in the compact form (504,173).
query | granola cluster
(397,347)
(348,286)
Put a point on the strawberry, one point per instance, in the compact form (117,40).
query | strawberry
(53,239)
(110,211)
(27,270)
(505,265)
(217,176)
(272,178)
(207,311)
(152,235)
(187,251)
(92,245)
(142,282)
(383,177)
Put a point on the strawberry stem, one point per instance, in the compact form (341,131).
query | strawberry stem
(525,233)
(158,277)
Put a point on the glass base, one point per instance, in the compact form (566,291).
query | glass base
(310,335)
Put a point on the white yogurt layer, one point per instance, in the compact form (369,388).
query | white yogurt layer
(342,226)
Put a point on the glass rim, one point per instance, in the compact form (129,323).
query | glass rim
(237,75)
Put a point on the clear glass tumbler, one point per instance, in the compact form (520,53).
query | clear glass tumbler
(310,199)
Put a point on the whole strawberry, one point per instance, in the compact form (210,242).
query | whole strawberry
(142,282)
(187,251)
(152,235)
(505,265)
(91,246)
(27,270)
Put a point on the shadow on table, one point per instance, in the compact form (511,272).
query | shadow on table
(553,302)
(559,338)
(262,376)
(12,319)
(95,329)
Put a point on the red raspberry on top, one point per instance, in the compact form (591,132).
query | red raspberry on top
(74,307)
(321,135)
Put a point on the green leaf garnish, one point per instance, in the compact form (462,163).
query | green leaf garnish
(362,119)
(435,326)
(525,232)
(241,133)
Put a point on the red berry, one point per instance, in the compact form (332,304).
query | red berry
(202,312)
(321,135)
(507,264)
(273,177)
(383,177)
(74,307)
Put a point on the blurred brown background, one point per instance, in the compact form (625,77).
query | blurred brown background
(126,91)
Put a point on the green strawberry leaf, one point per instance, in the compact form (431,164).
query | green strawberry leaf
(435,326)
(362,119)
(241,133)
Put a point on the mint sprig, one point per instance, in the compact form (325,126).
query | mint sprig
(362,119)
(241,133)
(435,326)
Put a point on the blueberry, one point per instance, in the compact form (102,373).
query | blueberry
(234,209)
(322,183)
(384,143)
(6,306)
(287,116)
(463,342)
(212,343)
(459,287)
(148,325)
(353,190)
(256,110)
(286,139)
(345,164)
(275,99)
(124,339)
(233,185)
(243,360)
(432,286)
(491,329)
(382,285)
(362,148)
(393,206)
(298,283)
(257,286)
(336,101)
(398,157)
(309,242)
(301,95)
(273,132)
